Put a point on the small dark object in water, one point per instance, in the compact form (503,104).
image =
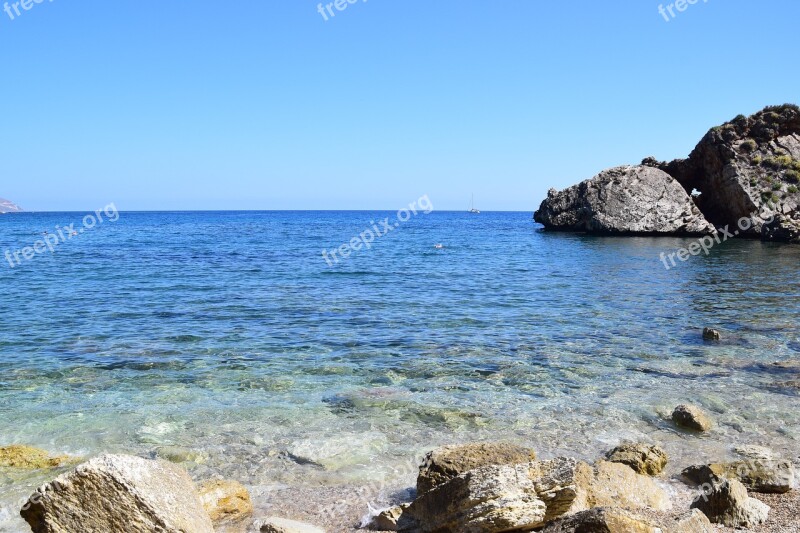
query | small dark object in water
(711,334)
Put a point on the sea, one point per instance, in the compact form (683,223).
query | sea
(229,342)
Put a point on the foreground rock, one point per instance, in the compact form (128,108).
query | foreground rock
(225,501)
(758,475)
(692,417)
(119,493)
(645,459)
(388,519)
(281,525)
(629,200)
(748,168)
(727,503)
(695,522)
(28,458)
(447,462)
(508,497)
(601,520)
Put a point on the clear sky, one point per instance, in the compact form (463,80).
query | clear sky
(263,104)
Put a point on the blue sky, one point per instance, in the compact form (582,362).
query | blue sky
(265,105)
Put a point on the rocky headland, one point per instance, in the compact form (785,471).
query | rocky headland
(748,168)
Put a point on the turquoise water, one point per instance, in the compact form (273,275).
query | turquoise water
(228,335)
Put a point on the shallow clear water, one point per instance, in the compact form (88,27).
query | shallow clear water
(229,335)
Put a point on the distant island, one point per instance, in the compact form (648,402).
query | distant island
(6,206)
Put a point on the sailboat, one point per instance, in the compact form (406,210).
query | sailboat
(472,206)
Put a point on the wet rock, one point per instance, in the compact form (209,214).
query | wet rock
(485,500)
(281,525)
(694,522)
(601,520)
(119,493)
(28,458)
(646,459)
(759,475)
(727,503)
(388,519)
(225,500)
(628,200)
(692,417)
(711,334)
(447,462)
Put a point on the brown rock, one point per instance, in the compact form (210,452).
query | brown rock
(692,417)
(447,462)
(758,475)
(25,457)
(642,458)
(601,520)
(225,500)
(711,334)
(695,522)
(281,525)
(727,503)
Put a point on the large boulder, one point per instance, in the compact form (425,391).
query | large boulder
(646,459)
(748,168)
(486,500)
(758,475)
(119,493)
(628,200)
(447,462)
(727,503)
(506,497)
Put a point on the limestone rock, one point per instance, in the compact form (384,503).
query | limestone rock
(601,520)
(727,503)
(695,522)
(488,499)
(692,417)
(628,200)
(28,458)
(118,493)
(506,497)
(642,458)
(616,485)
(225,500)
(758,475)
(447,462)
(281,525)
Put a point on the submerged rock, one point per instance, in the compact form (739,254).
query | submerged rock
(758,475)
(727,503)
(281,525)
(28,458)
(601,520)
(119,493)
(447,462)
(646,459)
(628,200)
(692,417)
(225,500)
